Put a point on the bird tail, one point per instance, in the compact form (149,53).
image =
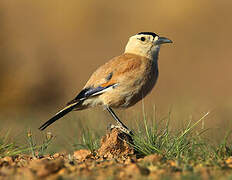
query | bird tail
(60,114)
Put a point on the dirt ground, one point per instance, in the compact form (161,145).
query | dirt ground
(115,159)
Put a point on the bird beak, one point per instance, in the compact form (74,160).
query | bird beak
(163,40)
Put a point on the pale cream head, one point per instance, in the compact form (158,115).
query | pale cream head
(146,44)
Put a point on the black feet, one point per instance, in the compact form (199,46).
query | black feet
(121,128)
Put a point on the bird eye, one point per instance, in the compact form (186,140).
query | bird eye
(143,39)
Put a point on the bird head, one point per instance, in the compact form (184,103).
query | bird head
(146,44)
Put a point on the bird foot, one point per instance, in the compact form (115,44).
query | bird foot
(121,128)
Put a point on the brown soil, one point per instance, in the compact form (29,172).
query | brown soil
(115,159)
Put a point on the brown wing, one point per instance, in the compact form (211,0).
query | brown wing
(110,72)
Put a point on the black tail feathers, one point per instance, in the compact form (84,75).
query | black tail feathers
(60,114)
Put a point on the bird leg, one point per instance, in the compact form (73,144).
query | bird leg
(120,125)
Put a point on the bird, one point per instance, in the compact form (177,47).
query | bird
(122,81)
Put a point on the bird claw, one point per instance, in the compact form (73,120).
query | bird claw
(127,131)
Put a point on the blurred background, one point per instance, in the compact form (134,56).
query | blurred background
(48,50)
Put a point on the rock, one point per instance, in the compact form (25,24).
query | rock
(26,173)
(82,154)
(153,158)
(45,167)
(6,171)
(229,162)
(115,144)
(133,171)
(8,159)
(56,155)
(131,159)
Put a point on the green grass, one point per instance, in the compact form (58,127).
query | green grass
(186,146)
(39,150)
(89,140)
(183,153)
(182,144)
(9,147)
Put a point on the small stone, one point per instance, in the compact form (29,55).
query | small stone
(153,158)
(26,173)
(133,170)
(45,167)
(82,154)
(128,161)
(8,159)
(229,160)
(56,155)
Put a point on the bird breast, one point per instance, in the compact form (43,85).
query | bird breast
(133,87)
